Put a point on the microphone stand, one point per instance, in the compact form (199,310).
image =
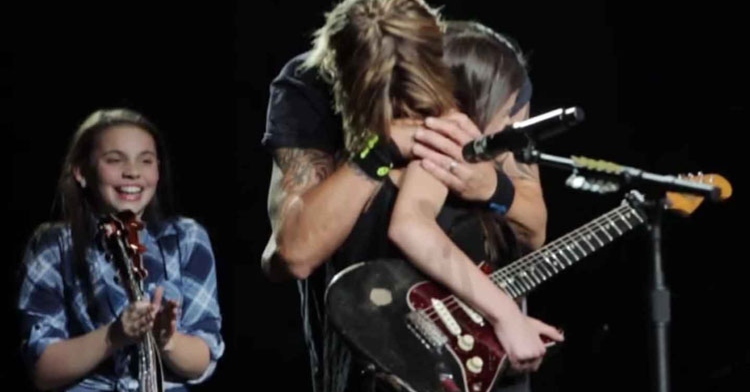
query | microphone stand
(609,177)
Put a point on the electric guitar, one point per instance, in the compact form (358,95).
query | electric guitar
(425,339)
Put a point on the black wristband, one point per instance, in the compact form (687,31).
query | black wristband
(505,192)
(396,157)
(375,159)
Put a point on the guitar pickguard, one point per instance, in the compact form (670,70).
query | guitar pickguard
(472,343)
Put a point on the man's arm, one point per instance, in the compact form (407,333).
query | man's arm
(313,204)
(313,207)
(528,212)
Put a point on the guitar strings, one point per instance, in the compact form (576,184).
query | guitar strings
(606,224)
(537,258)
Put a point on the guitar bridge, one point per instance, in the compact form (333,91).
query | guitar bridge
(425,330)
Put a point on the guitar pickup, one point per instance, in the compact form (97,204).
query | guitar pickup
(429,333)
(473,315)
(446,317)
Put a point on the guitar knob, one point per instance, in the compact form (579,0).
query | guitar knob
(466,342)
(474,364)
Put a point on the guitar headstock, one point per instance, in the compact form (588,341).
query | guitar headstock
(686,204)
(121,232)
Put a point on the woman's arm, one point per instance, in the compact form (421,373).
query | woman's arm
(193,347)
(62,359)
(53,357)
(68,360)
(415,231)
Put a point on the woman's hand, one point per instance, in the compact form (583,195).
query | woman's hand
(520,336)
(165,323)
(135,321)
(440,146)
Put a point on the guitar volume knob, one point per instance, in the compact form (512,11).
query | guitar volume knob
(466,342)
(474,364)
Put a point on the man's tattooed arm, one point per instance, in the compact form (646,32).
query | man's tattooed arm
(528,212)
(507,163)
(295,171)
(313,203)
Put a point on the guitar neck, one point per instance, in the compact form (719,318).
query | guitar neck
(524,275)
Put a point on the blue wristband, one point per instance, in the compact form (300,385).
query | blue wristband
(505,192)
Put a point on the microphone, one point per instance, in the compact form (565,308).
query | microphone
(522,133)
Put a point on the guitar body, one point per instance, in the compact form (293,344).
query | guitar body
(424,339)
(369,304)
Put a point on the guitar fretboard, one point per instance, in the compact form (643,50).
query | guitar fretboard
(525,274)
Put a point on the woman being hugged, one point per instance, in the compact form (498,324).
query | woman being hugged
(80,331)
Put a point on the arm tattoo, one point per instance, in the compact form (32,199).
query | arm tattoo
(526,171)
(295,171)
(302,168)
(512,167)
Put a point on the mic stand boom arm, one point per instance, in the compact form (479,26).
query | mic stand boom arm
(612,176)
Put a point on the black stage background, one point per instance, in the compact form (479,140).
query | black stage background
(664,89)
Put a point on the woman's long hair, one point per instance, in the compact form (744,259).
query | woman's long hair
(385,61)
(487,68)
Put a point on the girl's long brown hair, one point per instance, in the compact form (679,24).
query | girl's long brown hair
(487,68)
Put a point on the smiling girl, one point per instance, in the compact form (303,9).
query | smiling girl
(78,327)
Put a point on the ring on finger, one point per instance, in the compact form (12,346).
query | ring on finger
(452,166)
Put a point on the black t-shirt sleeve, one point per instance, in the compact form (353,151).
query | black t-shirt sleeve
(300,111)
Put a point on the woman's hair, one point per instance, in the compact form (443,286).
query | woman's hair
(77,204)
(385,61)
(487,68)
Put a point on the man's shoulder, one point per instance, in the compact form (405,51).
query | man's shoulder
(296,64)
(296,71)
(301,110)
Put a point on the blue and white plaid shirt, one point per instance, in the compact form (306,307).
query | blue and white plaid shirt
(53,300)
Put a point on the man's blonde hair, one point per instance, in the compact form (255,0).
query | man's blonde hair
(384,60)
